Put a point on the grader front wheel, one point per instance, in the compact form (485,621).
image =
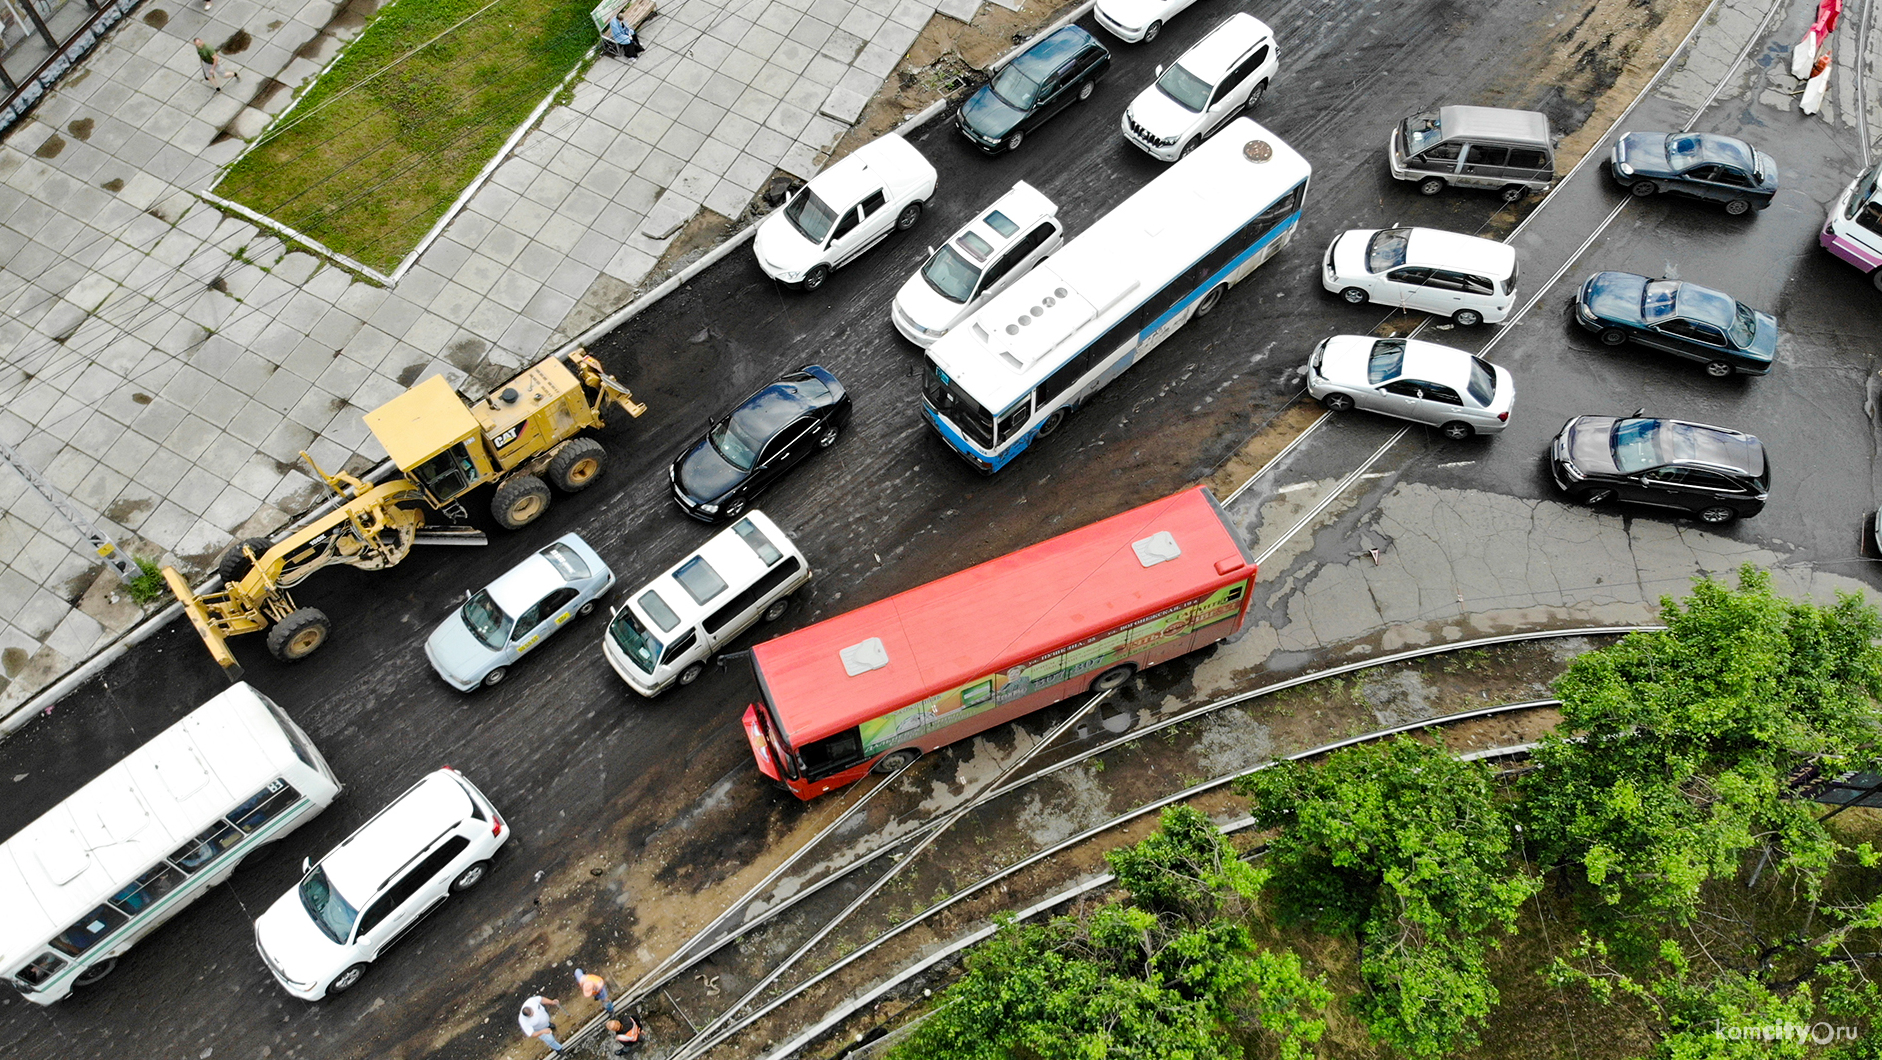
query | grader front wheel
(520,501)
(299,635)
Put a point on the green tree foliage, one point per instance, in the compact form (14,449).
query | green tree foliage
(1675,749)
(1163,976)
(1410,849)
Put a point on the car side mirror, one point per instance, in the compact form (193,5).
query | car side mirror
(307,866)
(931,252)
(1642,411)
(1159,69)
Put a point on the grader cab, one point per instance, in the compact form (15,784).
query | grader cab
(524,430)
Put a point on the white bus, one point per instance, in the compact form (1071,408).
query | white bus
(1853,230)
(150,835)
(1013,371)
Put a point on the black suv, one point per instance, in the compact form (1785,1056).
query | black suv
(1711,473)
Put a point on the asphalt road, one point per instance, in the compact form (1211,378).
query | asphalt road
(659,798)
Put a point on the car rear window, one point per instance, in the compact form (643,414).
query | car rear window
(1482,384)
(748,531)
(566,561)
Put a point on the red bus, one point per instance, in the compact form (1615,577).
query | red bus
(879,686)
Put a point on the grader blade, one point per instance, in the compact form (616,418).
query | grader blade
(199,617)
(450,535)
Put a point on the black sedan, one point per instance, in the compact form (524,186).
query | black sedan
(1704,165)
(1038,83)
(1683,319)
(1711,473)
(769,433)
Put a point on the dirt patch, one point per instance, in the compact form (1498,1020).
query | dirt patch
(156,18)
(947,61)
(80,129)
(1597,62)
(1263,446)
(51,148)
(695,240)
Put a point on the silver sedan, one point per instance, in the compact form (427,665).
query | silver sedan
(499,623)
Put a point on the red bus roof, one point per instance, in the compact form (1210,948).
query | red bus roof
(1004,611)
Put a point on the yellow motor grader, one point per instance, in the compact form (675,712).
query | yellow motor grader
(521,434)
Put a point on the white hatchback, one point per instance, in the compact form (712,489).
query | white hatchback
(1467,278)
(1001,244)
(434,841)
(1137,20)
(1450,389)
(878,188)
(1225,73)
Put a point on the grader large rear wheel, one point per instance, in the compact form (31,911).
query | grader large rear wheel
(299,635)
(577,465)
(520,501)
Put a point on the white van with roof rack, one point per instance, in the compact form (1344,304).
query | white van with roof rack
(664,633)
(999,245)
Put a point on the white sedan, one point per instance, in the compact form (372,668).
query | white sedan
(878,188)
(1138,21)
(497,624)
(999,245)
(1457,392)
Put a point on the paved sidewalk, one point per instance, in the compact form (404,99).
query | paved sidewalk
(165,363)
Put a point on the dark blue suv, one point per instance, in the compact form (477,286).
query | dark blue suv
(1038,83)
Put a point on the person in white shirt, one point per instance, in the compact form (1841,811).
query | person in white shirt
(534,1019)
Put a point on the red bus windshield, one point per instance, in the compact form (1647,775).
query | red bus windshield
(977,648)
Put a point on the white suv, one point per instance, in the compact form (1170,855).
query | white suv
(1467,278)
(1225,73)
(434,841)
(1001,244)
(877,189)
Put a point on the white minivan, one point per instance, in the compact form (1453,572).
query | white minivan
(1224,74)
(432,842)
(999,245)
(876,189)
(664,633)
(1467,278)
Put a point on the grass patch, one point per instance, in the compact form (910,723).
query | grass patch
(408,114)
(148,587)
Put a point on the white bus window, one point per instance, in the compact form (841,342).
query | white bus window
(43,967)
(264,806)
(207,847)
(146,889)
(90,928)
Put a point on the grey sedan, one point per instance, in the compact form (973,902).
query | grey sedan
(499,623)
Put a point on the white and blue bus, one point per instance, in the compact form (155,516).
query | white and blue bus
(1012,372)
(151,834)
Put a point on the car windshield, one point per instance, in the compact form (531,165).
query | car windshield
(951,275)
(1640,444)
(1387,249)
(486,620)
(735,441)
(1482,381)
(1015,89)
(1189,91)
(1682,150)
(810,216)
(1386,362)
(1744,326)
(635,642)
(1421,132)
(330,910)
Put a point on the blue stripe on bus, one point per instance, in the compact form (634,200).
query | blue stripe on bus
(1224,271)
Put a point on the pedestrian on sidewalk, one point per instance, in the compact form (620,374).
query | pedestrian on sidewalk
(212,65)
(626,1032)
(594,988)
(534,1019)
